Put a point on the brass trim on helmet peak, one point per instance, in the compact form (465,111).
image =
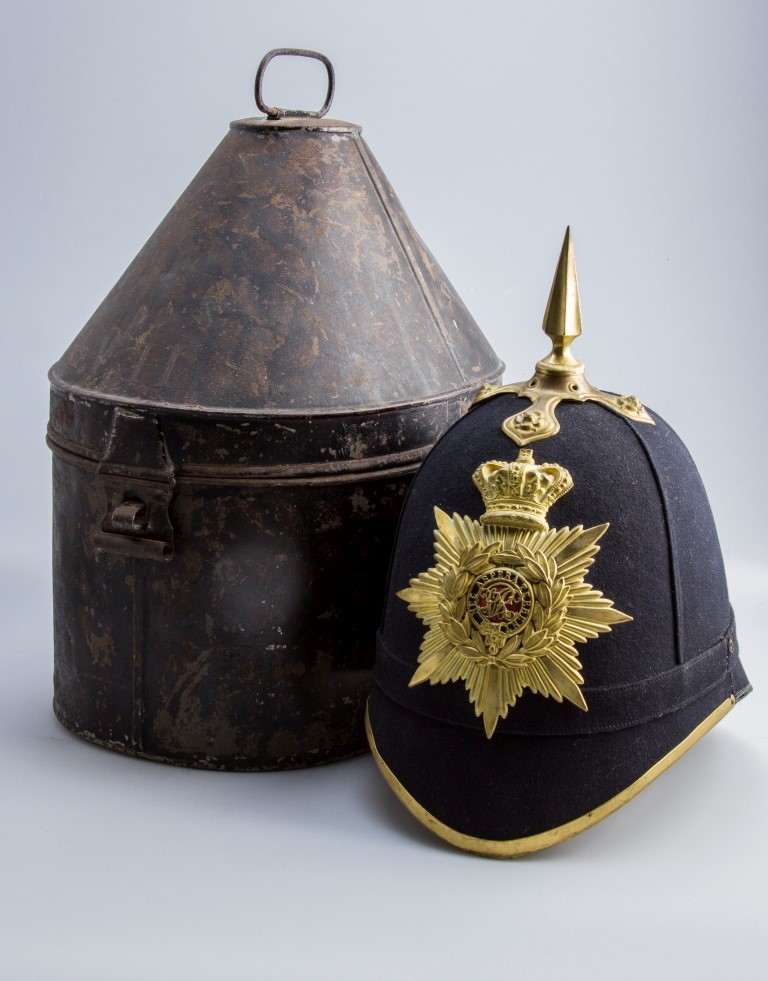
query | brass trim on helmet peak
(516,847)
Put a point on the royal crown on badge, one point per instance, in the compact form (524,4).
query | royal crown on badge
(519,494)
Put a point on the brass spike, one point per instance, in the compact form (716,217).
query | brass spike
(560,376)
(562,319)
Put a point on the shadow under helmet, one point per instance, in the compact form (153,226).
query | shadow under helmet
(557,630)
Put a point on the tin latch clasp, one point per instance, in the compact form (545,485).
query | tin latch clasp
(138,493)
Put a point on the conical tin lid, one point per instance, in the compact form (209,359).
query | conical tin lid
(287,279)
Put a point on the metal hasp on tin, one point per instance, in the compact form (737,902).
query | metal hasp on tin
(233,433)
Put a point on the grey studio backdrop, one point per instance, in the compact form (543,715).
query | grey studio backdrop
(643,125)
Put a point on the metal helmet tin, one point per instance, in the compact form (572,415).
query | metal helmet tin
(255,393)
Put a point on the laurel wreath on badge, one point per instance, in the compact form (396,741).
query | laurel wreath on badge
(506,602)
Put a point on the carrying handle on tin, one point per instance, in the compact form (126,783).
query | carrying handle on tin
(272,112)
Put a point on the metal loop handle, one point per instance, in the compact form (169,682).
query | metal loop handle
(272,111)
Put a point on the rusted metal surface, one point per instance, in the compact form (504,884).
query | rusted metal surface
(234,432)
(287,279)
(251,649)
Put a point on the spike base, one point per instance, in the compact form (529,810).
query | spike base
(550,385)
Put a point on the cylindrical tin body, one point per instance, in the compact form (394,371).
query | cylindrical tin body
(233,432)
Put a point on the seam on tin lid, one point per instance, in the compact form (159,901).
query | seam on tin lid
(66,390)
(429,299)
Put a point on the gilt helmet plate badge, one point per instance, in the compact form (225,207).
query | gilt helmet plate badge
(506,602)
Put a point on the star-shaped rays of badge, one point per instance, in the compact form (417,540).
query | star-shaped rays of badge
(506,602)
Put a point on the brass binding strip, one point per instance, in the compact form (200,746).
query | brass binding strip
(515,847)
